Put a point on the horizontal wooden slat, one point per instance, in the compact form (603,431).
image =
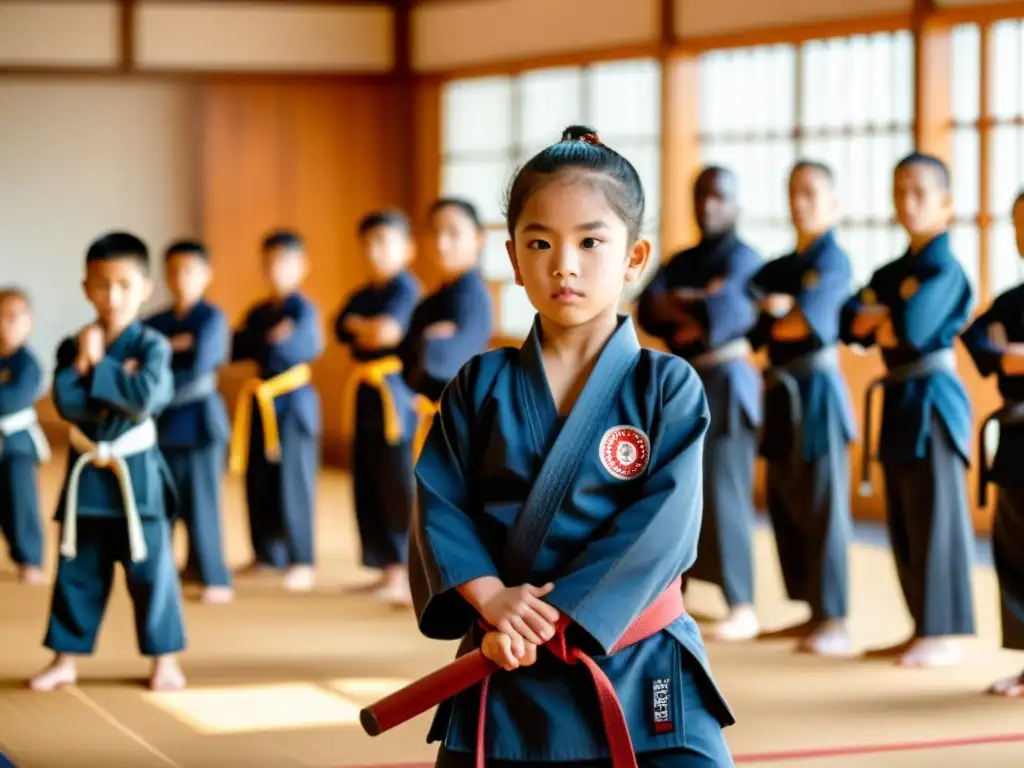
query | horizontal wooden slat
(219,36)
(60,34)
(451,34)
(697,18)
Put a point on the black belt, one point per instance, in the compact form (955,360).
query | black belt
(1011,413)
(926,365)
(789,375)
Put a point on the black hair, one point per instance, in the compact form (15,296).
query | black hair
(927,161)
(190,247)
(817,166)
(118,245)
(581,149)
(466,207)
(715,170)
(14,292)
(288,239)
(390,218)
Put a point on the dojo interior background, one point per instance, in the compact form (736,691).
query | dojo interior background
(225,119)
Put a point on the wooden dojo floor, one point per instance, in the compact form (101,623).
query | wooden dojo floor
(278,679)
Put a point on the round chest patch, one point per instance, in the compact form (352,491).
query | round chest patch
(909,287)
(625,452)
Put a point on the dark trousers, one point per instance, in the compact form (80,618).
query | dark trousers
(83,584)
(1008,548)
(198,474)
(705,748)
(931,537)
(19,510)
(281,498)
(809,506)
(725,550)
(383,485)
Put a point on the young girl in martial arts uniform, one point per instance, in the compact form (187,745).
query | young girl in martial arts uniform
(559,498)
(996,343)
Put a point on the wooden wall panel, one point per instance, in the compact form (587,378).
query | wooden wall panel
(452,34)
(426,171)
(311,156)
(696,18)
(51,34)
(264,37)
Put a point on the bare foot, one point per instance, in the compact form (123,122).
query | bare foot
(831,638)
(166,675)
(217,595)
(740,624)
(32,575)
(62,671)
(795,632)
(395,593)
(299,578)
(890,651)
(930,653)
(1009,688)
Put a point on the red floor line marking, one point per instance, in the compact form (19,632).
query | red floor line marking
(808,754)
(868,749)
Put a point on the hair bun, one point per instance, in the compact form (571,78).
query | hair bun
(581,133)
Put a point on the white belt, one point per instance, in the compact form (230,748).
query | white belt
(110,455)
(737,349)
(25,420)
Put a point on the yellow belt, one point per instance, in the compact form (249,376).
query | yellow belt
(264,392)
(373,373)
(426,409)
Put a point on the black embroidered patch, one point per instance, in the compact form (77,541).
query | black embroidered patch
(661,705)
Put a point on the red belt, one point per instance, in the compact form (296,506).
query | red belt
(474,668)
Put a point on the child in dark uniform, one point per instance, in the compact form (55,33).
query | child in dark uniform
(110,382)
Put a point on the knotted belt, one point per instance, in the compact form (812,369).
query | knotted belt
(926,365)
(788,377)
(109,455)
(199,388)
(474,668)
(264,392)
(25,420)
(426,409)
(1011,413)
(373,373)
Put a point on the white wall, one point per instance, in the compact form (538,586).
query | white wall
(79,158)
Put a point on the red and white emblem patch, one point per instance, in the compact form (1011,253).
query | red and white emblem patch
(625,452)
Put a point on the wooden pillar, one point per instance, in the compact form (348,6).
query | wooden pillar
(680,149)
(932,74)
(127,32)
(680,135)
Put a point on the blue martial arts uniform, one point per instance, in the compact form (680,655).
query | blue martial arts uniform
(194,431)
(733,386)
(281,496)
(104,406)
(21,379)
(808,425)
(1008,527)
(926,431)
(382,469)
(429,364)
(613,519)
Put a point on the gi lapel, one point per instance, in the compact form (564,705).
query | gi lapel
(562,463)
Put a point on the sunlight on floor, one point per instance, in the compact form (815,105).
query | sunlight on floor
(368,689)
(251,708)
